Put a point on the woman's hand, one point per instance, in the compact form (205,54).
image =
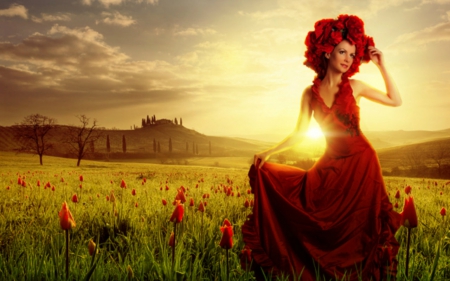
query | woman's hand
(376,56)
(260,159)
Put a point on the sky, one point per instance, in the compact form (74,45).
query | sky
(226,67)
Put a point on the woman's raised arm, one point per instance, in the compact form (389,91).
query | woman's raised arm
(391,97)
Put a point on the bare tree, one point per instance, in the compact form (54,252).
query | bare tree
(31,134)
(79,137)
(415,157)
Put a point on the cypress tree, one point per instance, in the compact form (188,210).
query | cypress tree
(108,145)
(159,148)
(181,121)
(124,144)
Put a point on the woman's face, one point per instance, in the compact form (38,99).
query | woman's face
(342,56)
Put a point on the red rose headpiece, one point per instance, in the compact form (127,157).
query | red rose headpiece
(330,32)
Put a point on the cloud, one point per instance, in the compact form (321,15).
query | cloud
(107,3)
(409,41)
(69,71)
(193,31)
(15,10)
(49,18)
(117,19)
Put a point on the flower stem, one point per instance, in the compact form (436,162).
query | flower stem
(67,253)
(174,244)
(407,251)
(228,271)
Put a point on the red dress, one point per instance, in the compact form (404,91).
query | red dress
(335,218)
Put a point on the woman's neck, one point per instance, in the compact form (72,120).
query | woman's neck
(332,78)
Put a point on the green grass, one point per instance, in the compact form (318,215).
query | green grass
(32,242)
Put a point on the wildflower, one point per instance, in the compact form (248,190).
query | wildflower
(396,205)
(397,194)
(178,212)
(75,198)
(107,198)
(409,216)
(443,211)
(38,183)
(191,202)
(164,202)
(65,218)
(136,205)
(81,179)
(227,235)
(91,247)
(123,184)
(133,192)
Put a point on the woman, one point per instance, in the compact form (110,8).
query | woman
(334,220)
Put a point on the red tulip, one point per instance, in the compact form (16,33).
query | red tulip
(48,184)
(246,203)
(123,184)
(408,189)
(75,198)
(246,258)
(38,183)
(443,211)
(133,192)
(81,178)
(191,202)
(178,212)
(396,205)
(65,218)
(107,198)
(409,216)
(164,202)
(19,181)
(201,207)
(136,204)
(180,196)
(227,235)
(397,195)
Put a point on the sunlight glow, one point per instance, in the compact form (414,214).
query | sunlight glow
(314,133)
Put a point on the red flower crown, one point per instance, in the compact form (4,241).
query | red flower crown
(330,32)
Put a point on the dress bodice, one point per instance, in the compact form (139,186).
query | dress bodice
(340,121)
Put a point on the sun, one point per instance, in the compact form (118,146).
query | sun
(314,133)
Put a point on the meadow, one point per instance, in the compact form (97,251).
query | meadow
(132,233)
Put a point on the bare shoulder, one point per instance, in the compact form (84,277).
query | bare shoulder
(307,93)
(357,86)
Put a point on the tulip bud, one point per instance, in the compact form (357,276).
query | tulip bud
(91,247)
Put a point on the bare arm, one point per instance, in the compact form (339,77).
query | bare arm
(391,97)
(296,136)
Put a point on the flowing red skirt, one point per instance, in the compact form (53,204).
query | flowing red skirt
(334,220)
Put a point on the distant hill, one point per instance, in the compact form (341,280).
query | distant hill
(140,142)
(385,139)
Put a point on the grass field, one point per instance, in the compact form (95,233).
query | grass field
(132,234)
